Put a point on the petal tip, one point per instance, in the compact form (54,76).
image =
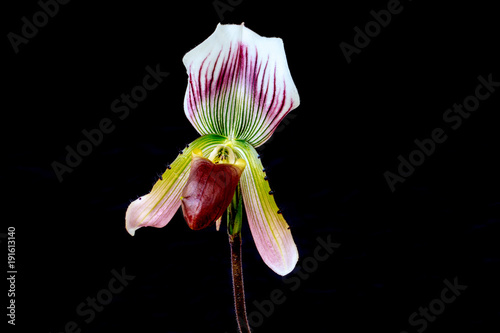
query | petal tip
(288,265)
(131,219)
(131,231)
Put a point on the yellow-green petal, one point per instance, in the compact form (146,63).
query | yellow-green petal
(158,207)
(270,231)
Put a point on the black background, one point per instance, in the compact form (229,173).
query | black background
(326,165)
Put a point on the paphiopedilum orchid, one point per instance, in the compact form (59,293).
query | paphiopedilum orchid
(239,89)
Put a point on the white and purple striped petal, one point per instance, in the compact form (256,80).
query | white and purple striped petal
(239,85)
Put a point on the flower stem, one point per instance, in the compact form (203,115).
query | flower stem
(238,289)
(234,219)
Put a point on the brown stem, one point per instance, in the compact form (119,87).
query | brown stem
(239,293)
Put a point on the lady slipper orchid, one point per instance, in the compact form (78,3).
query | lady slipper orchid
(239,89)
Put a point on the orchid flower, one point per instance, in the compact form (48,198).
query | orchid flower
(239,89)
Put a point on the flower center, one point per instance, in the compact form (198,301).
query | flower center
(222,154)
